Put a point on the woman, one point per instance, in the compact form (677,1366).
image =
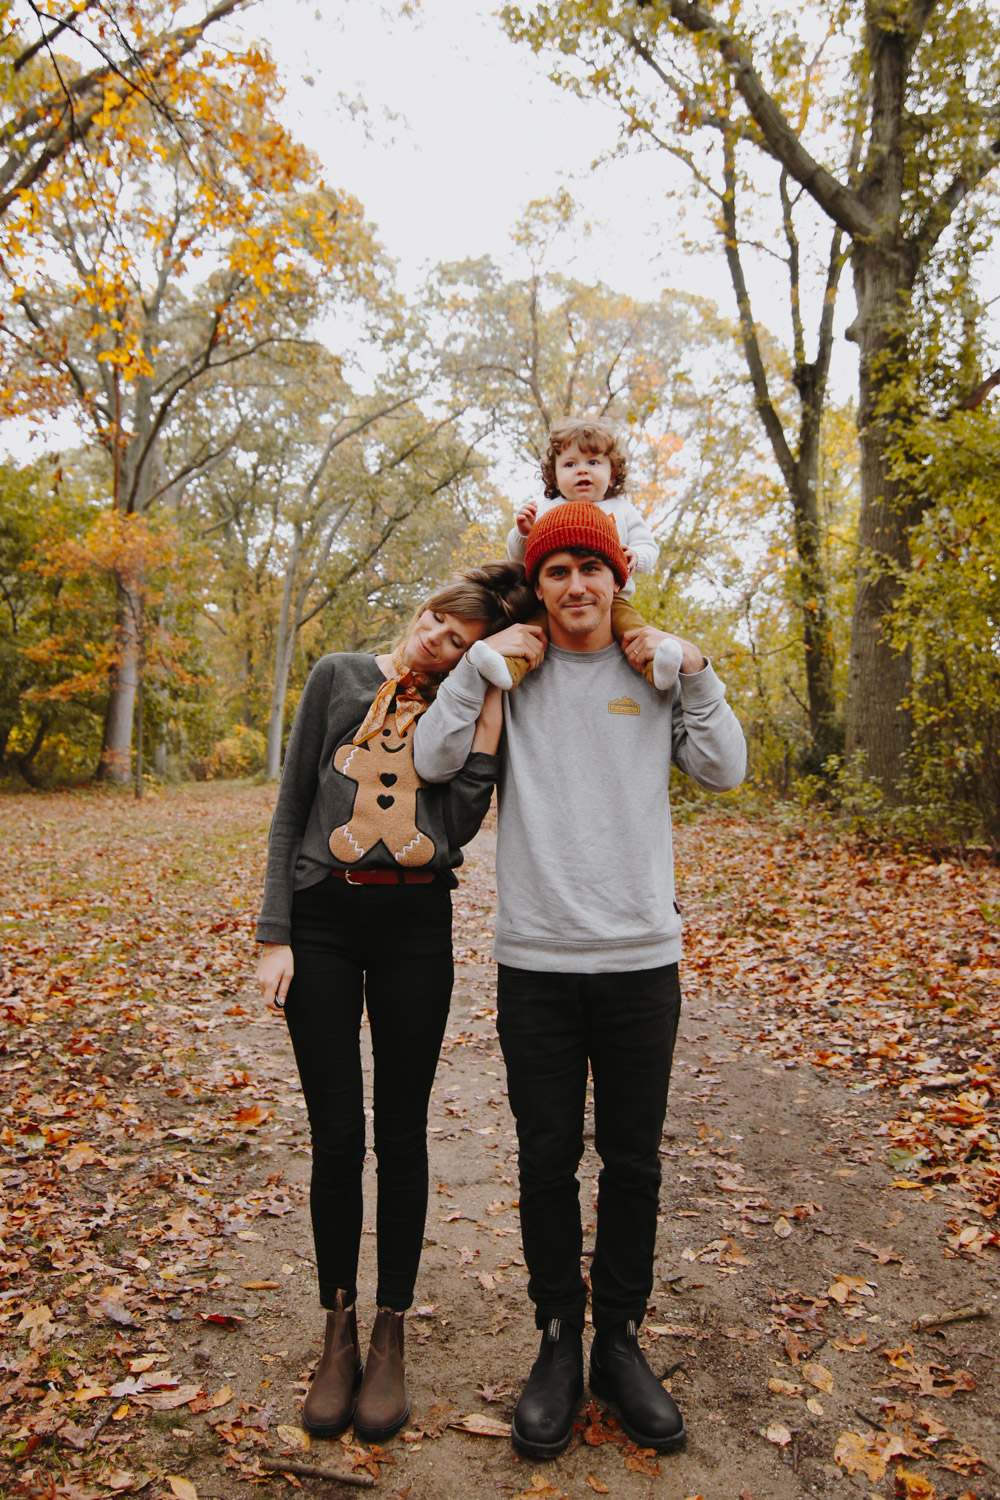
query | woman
(357,911)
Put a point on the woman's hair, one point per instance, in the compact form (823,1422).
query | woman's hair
(591,435)
(498,593)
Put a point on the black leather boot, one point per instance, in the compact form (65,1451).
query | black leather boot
(619,1373)
(543,1418)
(329,1405)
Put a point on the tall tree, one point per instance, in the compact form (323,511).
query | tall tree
(919,80)
(102,319)
(322,496)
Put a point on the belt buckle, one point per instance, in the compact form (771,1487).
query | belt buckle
(349,881)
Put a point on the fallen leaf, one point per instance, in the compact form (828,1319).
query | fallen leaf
(35,1317)
(292,1437)
(913,1487)
(110,1304)
(781,1228)
(481,1425)
(597,1486)
(794,1346)
(541,1486)
(182,1488)
(779,1387)
(167,1400)
(643,1461)
(819,1376)
(778,1434)
(853,1452)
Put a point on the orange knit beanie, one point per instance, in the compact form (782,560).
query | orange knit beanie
(575,523)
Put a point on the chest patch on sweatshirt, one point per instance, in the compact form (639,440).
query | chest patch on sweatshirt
(623,705)
(385,804)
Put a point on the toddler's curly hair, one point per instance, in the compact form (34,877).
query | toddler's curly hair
(591,435)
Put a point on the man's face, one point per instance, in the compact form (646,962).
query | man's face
(576,592)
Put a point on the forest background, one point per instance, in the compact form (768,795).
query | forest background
(275,446)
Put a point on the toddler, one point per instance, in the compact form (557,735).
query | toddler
(583,462)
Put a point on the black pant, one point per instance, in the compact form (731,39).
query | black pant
(550,1025)
(388,948)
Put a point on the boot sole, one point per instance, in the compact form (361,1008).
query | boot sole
(379,1434)
(531,1449)
(660,1444)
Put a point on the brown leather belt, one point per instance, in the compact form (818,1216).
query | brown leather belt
(384,877)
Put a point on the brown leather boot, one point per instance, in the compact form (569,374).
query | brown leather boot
(383,1405)
(329,1406)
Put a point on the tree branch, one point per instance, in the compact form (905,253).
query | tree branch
(841,204)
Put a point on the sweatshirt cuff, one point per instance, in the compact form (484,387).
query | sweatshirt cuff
(464,682)
(273,932)
(480,764)
(701,687)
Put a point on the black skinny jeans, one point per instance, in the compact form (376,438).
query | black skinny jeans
(550,1026)
(386,947)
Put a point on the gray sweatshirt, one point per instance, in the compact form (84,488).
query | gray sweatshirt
(585,873)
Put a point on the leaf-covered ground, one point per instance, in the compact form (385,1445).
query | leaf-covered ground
(831,1172)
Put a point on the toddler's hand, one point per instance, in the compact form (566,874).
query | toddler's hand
(631,558)
(525,517)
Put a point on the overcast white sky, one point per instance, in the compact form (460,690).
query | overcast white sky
(481,131)
(464,129)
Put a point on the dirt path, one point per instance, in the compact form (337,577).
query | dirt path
(161,1307)
(774,1193)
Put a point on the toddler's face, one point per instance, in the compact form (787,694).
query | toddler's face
(582,476)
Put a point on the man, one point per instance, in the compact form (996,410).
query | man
(587,942)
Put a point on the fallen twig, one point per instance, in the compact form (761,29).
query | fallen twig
(960,1315)
(313,1471)
(99,1427)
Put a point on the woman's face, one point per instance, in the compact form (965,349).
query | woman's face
(438,641)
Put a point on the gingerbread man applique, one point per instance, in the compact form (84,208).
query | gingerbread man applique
(385,804)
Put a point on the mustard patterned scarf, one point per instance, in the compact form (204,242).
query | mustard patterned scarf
(412,690)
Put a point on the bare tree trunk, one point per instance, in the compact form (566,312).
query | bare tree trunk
(116,751)
(879,725)
(284,650)
(26,762)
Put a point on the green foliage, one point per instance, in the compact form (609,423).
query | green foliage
(241,753)
(948,615)
(44,732)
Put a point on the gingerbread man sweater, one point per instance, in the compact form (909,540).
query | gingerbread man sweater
(343,806)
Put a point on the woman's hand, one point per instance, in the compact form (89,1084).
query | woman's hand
(274,973)
(489,725)
(528,641)
(631,558)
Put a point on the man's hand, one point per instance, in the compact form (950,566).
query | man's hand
(525,519)
(640,646)
(274,973)
(631,558)
(528,641)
